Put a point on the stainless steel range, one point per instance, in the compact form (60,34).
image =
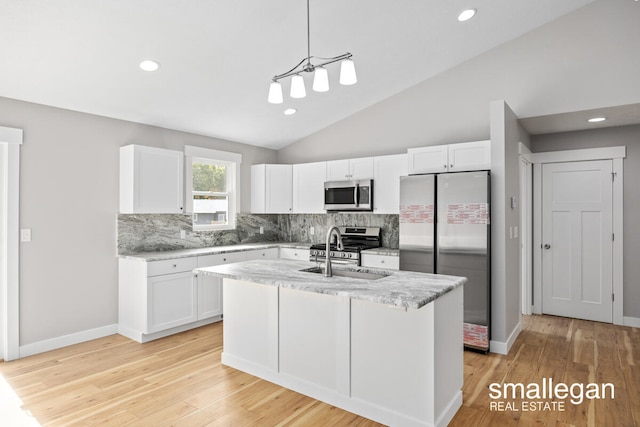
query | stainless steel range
(354,240)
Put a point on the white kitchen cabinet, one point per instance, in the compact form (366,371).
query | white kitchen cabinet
(172,301)
(387,171)
(209,287)
(271,188)
(380,261)
(308,187)
(295,254)
(151,180)
(155,296)
(469,156)
(466,156)
(350,169)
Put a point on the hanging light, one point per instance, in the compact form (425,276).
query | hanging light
(321,80)
(348,72)
(321,75)
(275,92)
(297,87)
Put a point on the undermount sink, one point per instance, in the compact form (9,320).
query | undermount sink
(348,273)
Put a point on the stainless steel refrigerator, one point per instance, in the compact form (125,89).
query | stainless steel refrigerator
(445,229)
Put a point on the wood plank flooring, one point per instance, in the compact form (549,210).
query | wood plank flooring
(179,381)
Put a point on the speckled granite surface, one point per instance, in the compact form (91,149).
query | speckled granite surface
(400,288)
(185,253)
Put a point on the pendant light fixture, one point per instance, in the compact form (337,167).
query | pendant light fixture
(320,73)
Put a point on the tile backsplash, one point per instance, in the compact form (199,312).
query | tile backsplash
(161,232)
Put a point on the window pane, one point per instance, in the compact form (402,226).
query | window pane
(208,177)
(210,210)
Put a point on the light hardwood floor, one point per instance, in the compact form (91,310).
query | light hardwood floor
(179,381)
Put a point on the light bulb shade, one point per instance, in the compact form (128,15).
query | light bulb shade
(275,93)
(347,72)
(320,80)
(297,87)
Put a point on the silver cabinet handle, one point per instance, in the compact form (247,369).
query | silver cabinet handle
(547,246)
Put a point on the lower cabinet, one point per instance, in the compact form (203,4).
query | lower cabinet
(172,301)
(380,261)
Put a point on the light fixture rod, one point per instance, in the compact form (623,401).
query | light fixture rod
(308,37)
(295,70)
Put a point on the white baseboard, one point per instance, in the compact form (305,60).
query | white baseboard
(67,340)
(143,338)
(631,321)
(501,347)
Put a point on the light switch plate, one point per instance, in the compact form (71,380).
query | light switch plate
(25,235)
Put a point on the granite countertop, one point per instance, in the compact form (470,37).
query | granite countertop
(399,288)
(185,253)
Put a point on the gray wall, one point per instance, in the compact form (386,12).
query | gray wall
(69,198)
(506,133)
(628,136)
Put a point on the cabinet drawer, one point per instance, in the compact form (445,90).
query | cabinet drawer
(168,266)
(270,253)
(219,259)
(294,253)
(380,261)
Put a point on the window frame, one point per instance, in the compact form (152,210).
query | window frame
(232,161)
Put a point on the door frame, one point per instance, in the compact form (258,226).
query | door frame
(616,155)
(526,221)
(11,139)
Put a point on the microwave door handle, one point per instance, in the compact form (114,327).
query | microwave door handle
(356,193)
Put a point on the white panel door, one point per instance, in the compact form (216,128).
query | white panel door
(577,240)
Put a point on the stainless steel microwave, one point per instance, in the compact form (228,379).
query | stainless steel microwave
(348,195)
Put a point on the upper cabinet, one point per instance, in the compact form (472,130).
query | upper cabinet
(271,189)
(345,170)
(465,156)
(308,187)
(386,182)
(151,180)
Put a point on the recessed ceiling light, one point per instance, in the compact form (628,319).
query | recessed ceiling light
(465,15)
(149,65)
(290,111)
(597,119)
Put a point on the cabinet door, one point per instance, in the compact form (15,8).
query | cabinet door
(151,180)
(258,188)
(386,183)
(361,168)
(308,187)
(209,287)
(432,159)
(470,156)
(171,301)
(278,189)
(338,170)
(209,295)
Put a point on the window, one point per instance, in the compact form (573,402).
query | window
(212,188)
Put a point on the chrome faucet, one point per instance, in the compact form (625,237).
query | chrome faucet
(327,268)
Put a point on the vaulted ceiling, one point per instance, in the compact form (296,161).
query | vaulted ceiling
(217,57)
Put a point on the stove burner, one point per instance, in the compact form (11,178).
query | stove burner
(354,240)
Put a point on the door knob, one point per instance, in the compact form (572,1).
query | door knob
(547,246)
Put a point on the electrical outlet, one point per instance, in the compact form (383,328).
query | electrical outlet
(261,230)
(312,231)
(183,234)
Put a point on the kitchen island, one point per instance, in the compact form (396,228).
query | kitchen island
(386,345)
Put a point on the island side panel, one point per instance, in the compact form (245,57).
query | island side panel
(417,358)
(392,360)
(449,355)
(250,326)
(314,339)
